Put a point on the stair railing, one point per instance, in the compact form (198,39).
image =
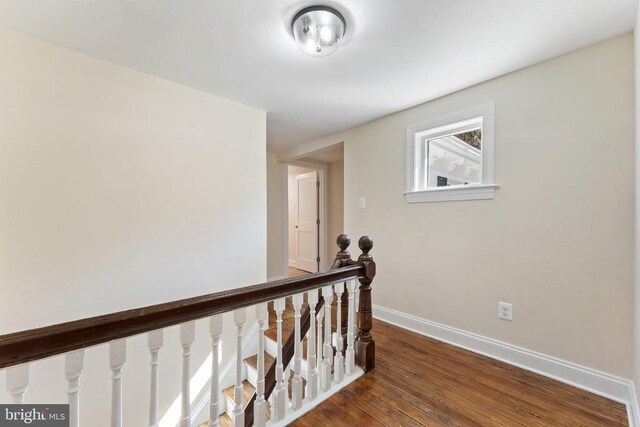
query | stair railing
(18,350)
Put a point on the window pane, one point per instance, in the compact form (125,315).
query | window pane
(455,159)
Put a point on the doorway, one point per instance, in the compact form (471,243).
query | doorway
(305,218)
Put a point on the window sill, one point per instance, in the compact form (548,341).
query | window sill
(450,194)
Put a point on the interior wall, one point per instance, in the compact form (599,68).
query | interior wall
(118,190)
(557,240)
(636,358)
(336,207)
(276,211)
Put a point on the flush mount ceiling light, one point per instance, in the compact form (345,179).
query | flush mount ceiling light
(318,30)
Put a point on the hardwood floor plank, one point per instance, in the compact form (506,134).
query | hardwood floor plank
(432,406)
(521,377)
(354,412)
(564,404)
(419,381)
(501,393)
(402,400)
(456,405)
(476,397)
(362,396)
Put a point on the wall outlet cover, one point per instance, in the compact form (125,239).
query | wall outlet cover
(505,311)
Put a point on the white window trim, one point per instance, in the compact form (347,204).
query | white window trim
(462,192)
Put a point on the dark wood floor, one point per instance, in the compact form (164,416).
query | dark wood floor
(419,381)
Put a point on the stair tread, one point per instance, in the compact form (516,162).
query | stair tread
(247,392)
(224,419)
(252,361)
(288,326)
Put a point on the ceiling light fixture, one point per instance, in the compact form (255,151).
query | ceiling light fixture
(318,30)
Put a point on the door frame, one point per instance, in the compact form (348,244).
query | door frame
(323,211)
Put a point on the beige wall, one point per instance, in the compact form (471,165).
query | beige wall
(636,335)
(276,211)
(118,190)
(336,207)
(557,240)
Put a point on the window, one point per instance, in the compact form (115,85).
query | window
(451,158)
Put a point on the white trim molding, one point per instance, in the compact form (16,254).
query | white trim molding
(633,410)
(418,135)
(450,194)
(601,383)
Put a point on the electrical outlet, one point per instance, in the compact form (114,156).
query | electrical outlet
(505,311)
(362,202)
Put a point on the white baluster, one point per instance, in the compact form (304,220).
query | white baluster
(260,405)
(117,357)
(73,364)
(187,336)
(338,361)
(296,386)
(215,330)
(18,382)
(351,326)
(325,378)
(279,394)
(320,348)
(154,342)
(312,366)
(239,317)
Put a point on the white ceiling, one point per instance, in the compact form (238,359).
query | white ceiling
(396,54)
(332,153)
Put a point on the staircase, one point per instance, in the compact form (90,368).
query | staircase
(318,307)
(249,384)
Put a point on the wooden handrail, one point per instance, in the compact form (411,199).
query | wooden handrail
(26,346)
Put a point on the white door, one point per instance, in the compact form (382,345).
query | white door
(307,222)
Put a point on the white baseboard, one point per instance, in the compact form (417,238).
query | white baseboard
(274,278)
(601,383)
(633,410)
(292,263)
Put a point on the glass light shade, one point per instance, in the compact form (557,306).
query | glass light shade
(318,30)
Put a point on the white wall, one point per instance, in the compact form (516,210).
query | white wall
(276,212)
(636,358)
(119,190)
(557,240)
(336,207)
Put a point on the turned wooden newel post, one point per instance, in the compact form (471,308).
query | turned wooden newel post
(344,257)
(365,346)
(343,254)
